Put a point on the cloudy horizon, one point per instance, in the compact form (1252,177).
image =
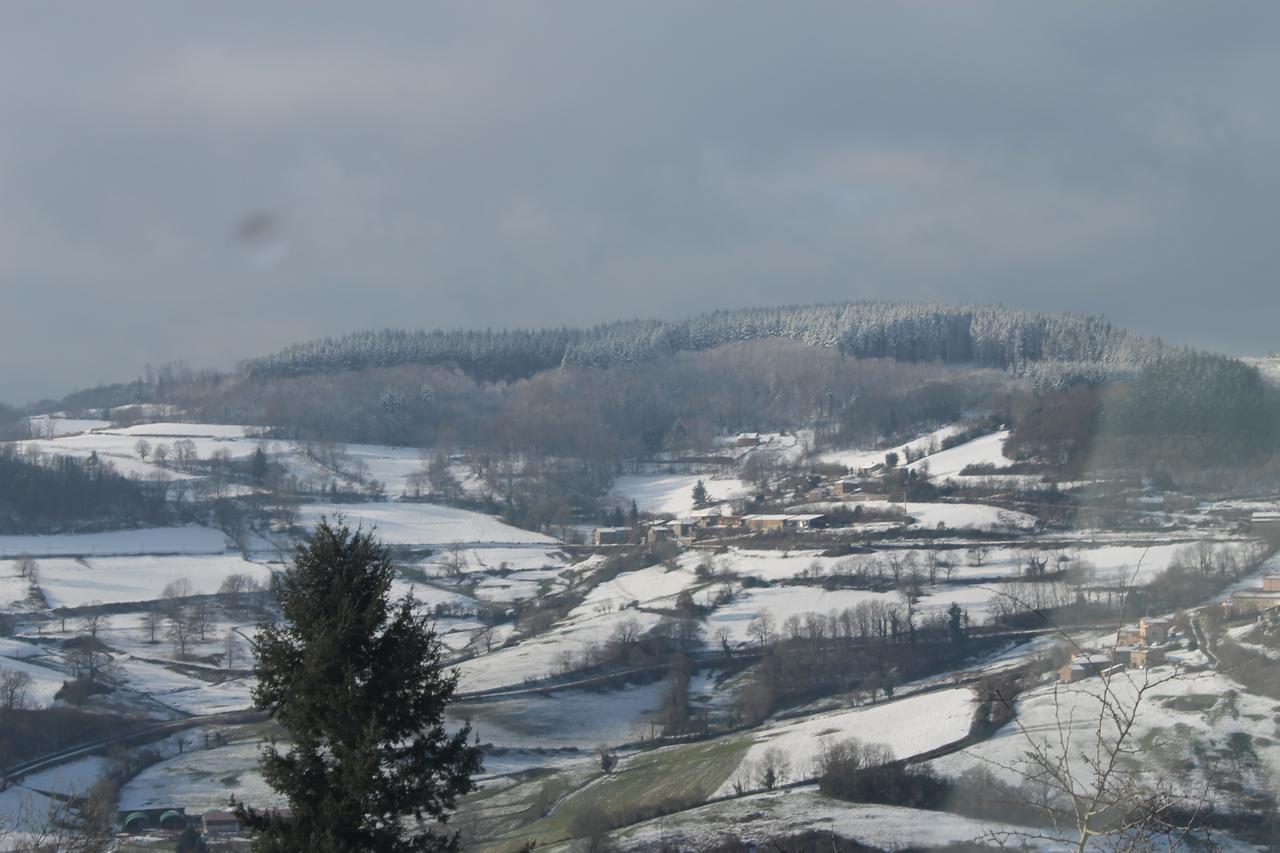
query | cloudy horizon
(213,183)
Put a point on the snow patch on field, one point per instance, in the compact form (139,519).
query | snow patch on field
(541,656)
(908,727)
(867,458)
(986,450)
(73,583)
(959,516)
(782,602)
(639,587)
(424,524)
(1174,719)
(672,493)
(54,426)
(45,682)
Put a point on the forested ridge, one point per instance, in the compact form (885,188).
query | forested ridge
(1052,348)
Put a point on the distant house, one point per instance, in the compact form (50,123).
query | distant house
(659,533)
(810,521)
(1145,657)
(1153,631)
(220,823)
(1084,666)
(747,439)
(612,535)
(1266,520)
(683,528)
(765,521)
(1123,654)
(848,487)
(784,521)
(1259,598)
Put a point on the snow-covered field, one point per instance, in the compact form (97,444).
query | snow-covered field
(985,450)
(540,656)
(672,493)
(424,524)
(782,602)
(202,779)
(759,818)
(188,539)
(911,726)
(54,425)
(46,681)
(70,582)
(641,587)
(14,589)
(954,516)
(1194,712)
(868,457)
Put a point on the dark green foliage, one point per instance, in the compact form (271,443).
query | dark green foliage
(190,841)
(700,496)
(1185,411)
(54,493)
(356,681)
(258,466)
(1202,408)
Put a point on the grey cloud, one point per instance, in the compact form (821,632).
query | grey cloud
(503,164)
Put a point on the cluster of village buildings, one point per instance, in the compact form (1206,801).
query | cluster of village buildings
(1137,647)
(709,523)
(171,819)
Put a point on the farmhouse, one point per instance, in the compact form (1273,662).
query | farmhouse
(612,535)
(1084,666)
(747,439)
(716,517)
(1258,598)
(1153,631)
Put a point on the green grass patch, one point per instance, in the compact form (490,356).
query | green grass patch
(1191,702)
(685,774)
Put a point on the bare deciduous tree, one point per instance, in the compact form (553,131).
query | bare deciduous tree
(94,621)
(15,685)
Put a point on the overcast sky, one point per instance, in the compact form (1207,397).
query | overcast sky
(213,181)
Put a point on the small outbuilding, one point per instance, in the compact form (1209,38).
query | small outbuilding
(220,823)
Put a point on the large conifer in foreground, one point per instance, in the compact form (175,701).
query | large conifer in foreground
(355,680)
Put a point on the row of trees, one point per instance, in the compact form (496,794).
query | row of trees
(991,336)
(43,493)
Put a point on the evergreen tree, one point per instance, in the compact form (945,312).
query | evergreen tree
(356,681)
(258,465)
(955,623)
(700,496)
